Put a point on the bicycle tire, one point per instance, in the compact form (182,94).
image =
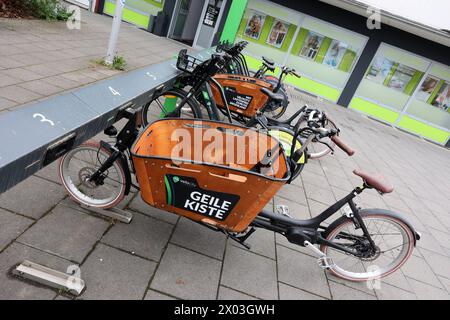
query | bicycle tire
(334,230)
(286,143)
(192,106)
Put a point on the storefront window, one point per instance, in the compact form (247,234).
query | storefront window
(325,50)
(394,75)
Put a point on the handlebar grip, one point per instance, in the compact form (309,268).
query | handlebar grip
(342,145)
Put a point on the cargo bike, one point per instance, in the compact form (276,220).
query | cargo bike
(228,193)
(235,98)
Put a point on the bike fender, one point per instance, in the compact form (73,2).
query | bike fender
(124,162)
(396,215)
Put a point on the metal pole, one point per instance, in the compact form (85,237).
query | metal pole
(114,32)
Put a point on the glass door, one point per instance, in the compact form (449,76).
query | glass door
(181,15)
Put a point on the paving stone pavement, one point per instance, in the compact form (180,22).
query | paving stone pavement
(40,58)
(161,256)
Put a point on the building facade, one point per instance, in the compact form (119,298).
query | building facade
(398,74)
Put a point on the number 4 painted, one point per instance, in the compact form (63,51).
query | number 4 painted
(114,92)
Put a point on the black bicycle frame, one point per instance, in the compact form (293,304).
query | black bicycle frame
(309,229)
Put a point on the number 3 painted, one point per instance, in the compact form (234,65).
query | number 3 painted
(43,118)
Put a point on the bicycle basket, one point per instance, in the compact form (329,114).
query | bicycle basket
(243,93)
(186,62)
(225,185)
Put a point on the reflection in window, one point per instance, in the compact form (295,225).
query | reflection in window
(394,75)
(254,25)
(311,45)
(379,70)
(401,77)
(427,89)
(335,53)
(278,33)
(442,99)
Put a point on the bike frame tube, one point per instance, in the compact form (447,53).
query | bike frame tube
(224,98)
(280,223)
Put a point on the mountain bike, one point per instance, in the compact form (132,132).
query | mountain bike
(230,196)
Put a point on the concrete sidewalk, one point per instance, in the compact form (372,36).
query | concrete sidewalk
(40,58)
(162,256)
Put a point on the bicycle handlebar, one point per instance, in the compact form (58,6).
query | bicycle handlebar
(342,145)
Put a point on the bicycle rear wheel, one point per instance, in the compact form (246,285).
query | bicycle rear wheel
(166,102)
(393,238)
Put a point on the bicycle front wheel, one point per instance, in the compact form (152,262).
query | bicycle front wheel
(286,137)
(318,150)
(168,101)
(393,238)
(78,165)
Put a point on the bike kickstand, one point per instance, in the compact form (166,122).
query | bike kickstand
(241,239)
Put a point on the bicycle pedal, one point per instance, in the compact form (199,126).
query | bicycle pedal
(283,210)
(326,263)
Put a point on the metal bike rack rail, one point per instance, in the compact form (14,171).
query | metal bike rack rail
(35,135)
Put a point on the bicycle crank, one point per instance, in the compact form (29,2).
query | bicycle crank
(323,261)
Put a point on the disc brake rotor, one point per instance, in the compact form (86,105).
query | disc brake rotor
(84,174)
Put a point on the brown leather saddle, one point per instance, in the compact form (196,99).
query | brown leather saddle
(377,182)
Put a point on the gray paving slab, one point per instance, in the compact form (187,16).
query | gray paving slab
(154,295)
(233,295)
(261,242)
(424,291)
(65,232)
(250,273)
(397,279)
(139,205)
(418,269)
(18,94)
(13,288)
(41,87)
(446,283)
(50,172)
(322,194)
(5,103)
(144,236)
(440,264)
(187,275)
(11,227)
(193,236)
(32,198)
(388,292)
(293,193)
(301,271)
(115,275)
(291,293)
(343,292)
(296,210)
